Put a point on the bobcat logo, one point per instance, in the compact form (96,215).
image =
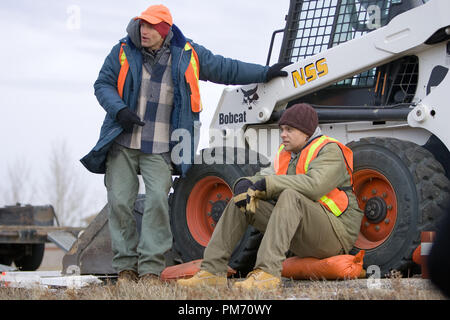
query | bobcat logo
(250,97)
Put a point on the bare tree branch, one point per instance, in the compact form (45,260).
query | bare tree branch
(19,187)
(66,191)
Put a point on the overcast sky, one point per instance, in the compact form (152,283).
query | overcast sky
(52,51)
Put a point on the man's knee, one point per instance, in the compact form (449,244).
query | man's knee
(289,194)
(117,197)
(291,201)
(293,195)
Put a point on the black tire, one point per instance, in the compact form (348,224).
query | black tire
(244,255)
(30,258)
(6,259)
(422,193)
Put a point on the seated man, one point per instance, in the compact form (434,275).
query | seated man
(316,212)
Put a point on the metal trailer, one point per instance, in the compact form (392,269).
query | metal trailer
(24,230)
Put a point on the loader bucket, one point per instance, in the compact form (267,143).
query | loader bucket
(91,253)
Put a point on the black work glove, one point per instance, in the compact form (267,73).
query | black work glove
(275,70)
(260,185)
(257,191)
(240,192)
(242,186)
(127,119)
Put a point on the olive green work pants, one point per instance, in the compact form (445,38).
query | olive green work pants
(145,253)
(295,223)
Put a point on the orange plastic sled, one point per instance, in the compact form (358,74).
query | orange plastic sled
(186,270)
(333,268)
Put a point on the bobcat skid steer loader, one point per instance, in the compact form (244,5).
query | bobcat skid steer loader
(376,71)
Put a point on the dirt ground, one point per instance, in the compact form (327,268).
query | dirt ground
(388,289)
(393,288)
(52,260)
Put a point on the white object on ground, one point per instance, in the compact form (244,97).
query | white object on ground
(45,279)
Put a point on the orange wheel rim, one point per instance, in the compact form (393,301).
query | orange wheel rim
(373,189)
(204,207)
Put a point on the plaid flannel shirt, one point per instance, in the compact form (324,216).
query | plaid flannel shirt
(154,107)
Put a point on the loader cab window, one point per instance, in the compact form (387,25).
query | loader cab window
(318,25)
(314,26)
(323,24)
(354,19)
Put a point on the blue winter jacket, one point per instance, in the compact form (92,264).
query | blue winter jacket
(214,68)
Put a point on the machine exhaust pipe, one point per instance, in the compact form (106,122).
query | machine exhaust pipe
(346,114)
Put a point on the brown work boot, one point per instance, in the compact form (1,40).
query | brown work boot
(149,279)
(203,278)
(127,276)
(258,279)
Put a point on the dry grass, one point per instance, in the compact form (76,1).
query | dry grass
(394,288)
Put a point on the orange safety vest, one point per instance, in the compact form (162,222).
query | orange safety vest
(192,76)
(123,70)
(335,201)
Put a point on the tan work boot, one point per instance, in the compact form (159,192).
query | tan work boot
(258,279)
(203,278)
(128,276)
(149,279)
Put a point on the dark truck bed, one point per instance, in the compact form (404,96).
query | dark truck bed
(24,230)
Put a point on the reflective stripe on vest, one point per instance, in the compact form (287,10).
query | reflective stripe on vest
(123,70)
(277,163)
(313,148)
(335,201)
(192,78)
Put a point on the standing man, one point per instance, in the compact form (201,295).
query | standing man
(316,212)
(149,87)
